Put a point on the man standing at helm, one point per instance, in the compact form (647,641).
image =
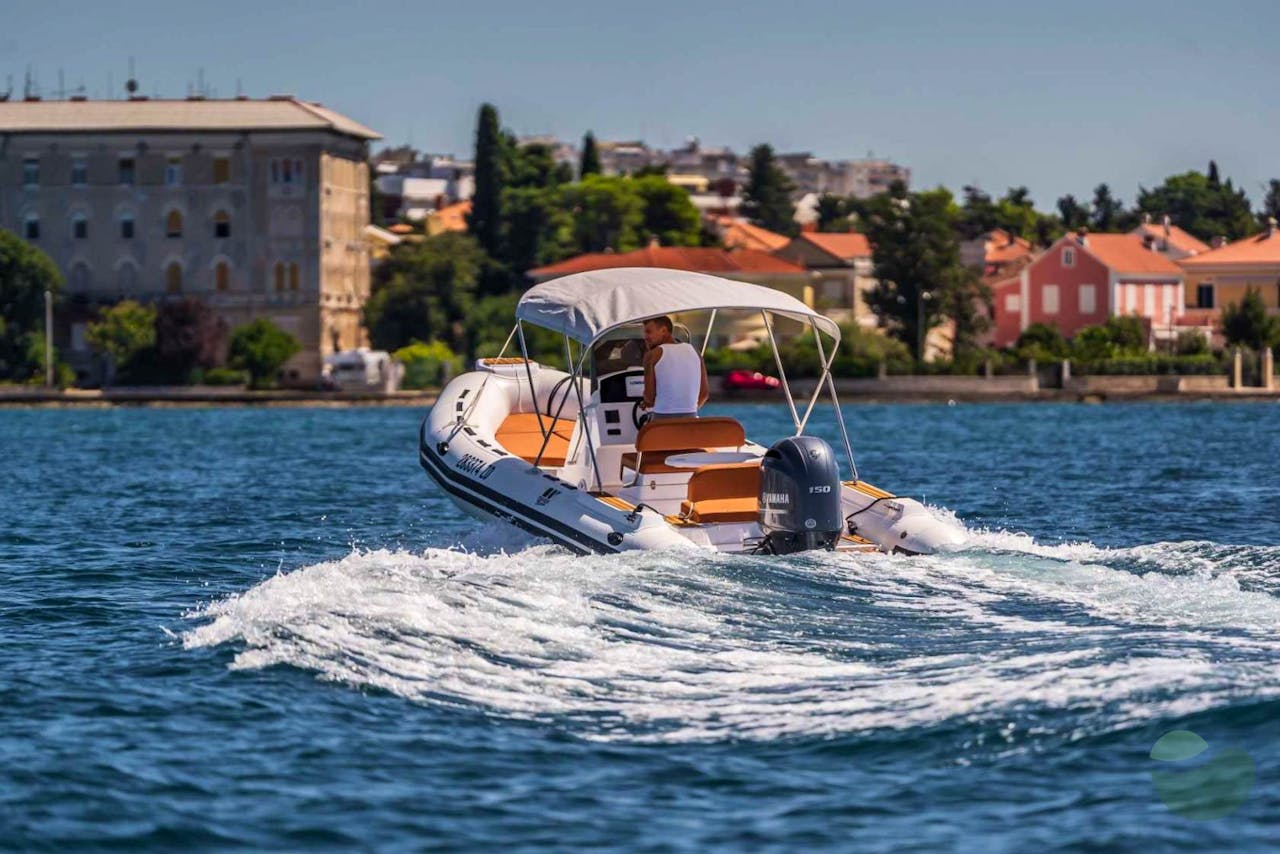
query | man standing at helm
(675,380)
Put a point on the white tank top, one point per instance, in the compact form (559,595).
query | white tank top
(678,376)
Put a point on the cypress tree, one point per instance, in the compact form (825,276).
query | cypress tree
(485,219)
(590,156)
(766,200)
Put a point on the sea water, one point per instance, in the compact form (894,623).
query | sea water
(266,628)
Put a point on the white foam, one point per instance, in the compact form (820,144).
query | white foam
(664,647)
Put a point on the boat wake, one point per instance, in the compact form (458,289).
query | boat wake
(1069,639)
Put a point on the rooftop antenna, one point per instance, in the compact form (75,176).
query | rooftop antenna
(131,85)
(239,88)
(8,92)
(61,92)
(200,87)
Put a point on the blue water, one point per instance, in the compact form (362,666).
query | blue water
(265,628)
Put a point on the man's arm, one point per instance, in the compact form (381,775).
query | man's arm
(703,393)
(651,358)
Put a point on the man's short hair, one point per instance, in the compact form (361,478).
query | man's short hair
(664,321)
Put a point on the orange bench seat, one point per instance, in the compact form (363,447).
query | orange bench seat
(520,435)
(724,493)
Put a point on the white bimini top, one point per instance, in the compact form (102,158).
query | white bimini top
(678,378)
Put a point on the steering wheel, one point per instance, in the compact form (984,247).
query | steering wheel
(637,418)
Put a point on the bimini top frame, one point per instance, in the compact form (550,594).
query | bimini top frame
(587,306)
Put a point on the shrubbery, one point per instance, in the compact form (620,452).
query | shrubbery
(261,348)
(424,364)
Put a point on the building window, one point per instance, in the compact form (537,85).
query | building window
(126,227)
(81,279)
(293,277)
(286,171)
(221,170)
(1204,295)
(1088,299)
(31,227)
(126,170)
(173,278)
(1068,257)
(31,172)
(173,172)
(1013,302)
(79,172)
(79,226)
(221,276)
(222,224)
(173,224)
(1050,298)
(279,275)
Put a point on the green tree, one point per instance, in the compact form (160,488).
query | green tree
(1108,211)
(1042,342)
(833,213)
(125,333)
(485,220)
(529,165)
(608,213)
(1074,215)
(491,322)
(916,258)
(25,274)
(1016,213)
(668,211)
(189,336)
(1118,337)
(1201,207)
(1246,323)
(978,214)
(261,348)
(424,291)
(1271,202)
(590,163)
(968,302)
(766,199)
(537,229)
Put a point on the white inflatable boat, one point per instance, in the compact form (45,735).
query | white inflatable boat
(566,455)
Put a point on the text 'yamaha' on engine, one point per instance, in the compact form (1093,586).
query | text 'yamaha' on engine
(800,496)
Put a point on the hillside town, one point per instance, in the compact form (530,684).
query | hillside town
(257,240)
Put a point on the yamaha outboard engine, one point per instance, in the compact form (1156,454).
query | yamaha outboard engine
(800,496)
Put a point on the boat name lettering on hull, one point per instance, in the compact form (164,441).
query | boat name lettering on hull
(470,464)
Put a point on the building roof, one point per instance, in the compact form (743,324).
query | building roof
(740,234)
(689,259)
(843,245)
(137,116)
(1124,253)
(1178,239)
(1261,248)
(453,217)
(1001,247)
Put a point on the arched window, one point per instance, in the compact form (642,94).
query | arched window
(293,277)
(173,224)
(221,276)
(222,224)
(288,172)
(279,275)
(275,171)
(31,227)
(126,276)
(81,278)
(79,226)
(126,226)
(173,278)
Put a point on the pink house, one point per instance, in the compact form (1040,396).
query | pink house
(1083,279)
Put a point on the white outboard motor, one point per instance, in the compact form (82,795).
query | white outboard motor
(800,497)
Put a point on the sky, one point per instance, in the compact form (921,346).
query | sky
(1058,97)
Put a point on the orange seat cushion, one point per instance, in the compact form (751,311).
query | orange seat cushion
(681,434)
(721,510)
(726,493)
(520,435)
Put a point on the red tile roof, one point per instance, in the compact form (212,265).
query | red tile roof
(692,259)
(1262,248)
(843,245)
(1124,253)
(740,234)
(1177,238)
(1002,247)
(454,217)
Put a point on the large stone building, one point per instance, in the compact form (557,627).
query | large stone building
(256,207)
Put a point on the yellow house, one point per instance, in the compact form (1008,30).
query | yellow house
(1221,277)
